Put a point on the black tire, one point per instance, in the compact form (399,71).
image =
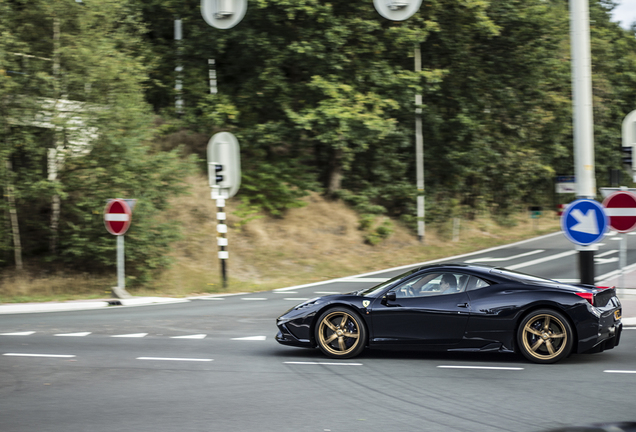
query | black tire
(340,333)
(545,336)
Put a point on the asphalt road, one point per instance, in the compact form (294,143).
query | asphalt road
(213,365)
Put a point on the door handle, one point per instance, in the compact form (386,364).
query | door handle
(462,305)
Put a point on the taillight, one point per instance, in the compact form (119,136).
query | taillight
(587,296)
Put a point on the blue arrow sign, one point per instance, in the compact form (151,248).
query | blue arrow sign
(584,222)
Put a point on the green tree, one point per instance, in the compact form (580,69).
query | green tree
(78,89)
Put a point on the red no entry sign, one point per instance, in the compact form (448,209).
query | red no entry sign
(117,216)
(620,208)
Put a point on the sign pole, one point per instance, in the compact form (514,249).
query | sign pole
(121,280)
(622,261)
(222,242)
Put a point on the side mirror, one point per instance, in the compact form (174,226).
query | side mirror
(391,296)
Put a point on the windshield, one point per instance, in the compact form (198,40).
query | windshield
(370,292)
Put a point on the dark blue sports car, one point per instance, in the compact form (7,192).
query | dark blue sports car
(459,307)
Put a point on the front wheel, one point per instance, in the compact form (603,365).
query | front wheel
(545,336)
(340,333)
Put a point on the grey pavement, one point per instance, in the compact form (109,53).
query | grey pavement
(626,295)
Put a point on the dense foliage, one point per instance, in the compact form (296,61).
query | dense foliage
(321,96)
(324,92)
(94,60)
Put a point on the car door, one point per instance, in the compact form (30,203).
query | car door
(429,315)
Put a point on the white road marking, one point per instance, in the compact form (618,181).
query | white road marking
(174,359)
(251,338)
(542,260)
(296,298)
(609,252)
(253,298)
(39,355)
(131,335)
(80,334)
(196,336)
(26,333)
(481,367)
(323,363)
(505,258)
(621,371)
(363,280)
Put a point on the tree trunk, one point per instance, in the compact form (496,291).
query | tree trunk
(17,246)
(335,173)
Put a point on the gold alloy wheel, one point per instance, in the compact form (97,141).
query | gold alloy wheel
(544,337)
(339,333)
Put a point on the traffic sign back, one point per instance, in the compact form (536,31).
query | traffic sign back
(620,207)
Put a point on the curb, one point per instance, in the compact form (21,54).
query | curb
(85,305)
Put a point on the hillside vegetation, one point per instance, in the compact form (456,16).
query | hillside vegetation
(98,100)
(319,241)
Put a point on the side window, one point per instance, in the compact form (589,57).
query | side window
(432,284)
(476,283)
(413,287)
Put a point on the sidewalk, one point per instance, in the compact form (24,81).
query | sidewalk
(15,308)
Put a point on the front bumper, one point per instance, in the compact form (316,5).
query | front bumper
(285,337)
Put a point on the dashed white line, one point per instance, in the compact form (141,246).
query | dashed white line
(488,259)
(80,334)
(131,335)
(253,298)
(250,338)
(541,260)
(620,371)
(322,363)
(26,333)
(174,359)
(196,336)
(39,355)
(480,367)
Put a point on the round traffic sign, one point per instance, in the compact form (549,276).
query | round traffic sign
(117,216)
(620,207)
(584,222)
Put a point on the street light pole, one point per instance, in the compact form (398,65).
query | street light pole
(583,121)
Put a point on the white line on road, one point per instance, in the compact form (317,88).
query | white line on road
(481,367)
(506,258)
(174,359)
(39,355)
(131,335)
(26,333)
(253,298)
(250,338)
(295,298)
(364,280)
(80,334)
(609,252)
(621,371)
(323,363)
(196,336)
(542,260)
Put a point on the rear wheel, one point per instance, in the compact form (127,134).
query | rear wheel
(340,333)
(545,336)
